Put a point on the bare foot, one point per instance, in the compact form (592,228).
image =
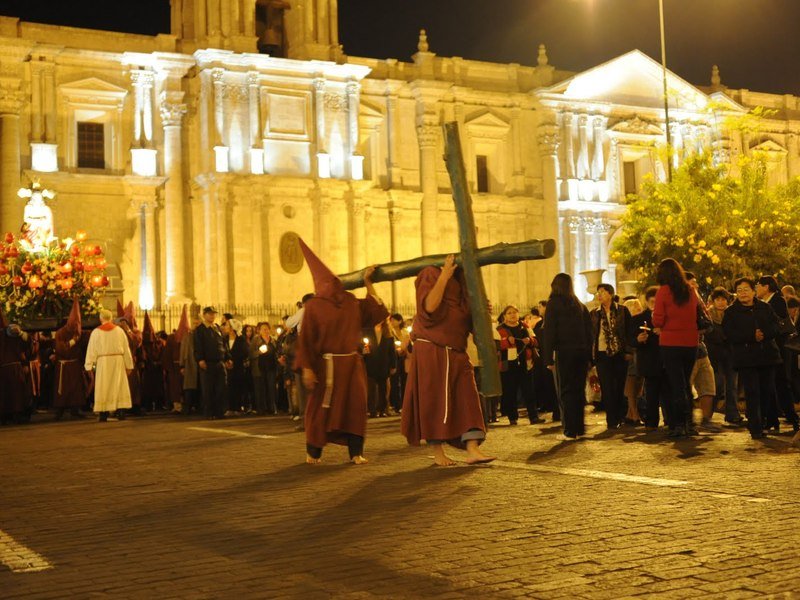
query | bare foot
(475,456)
(479,458)
(359,460)
(440,458)
(310,460)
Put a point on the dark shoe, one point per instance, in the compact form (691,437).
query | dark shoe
(121,415)
(690,429)
(676,432)
(512,422)
(773,428)
(103,417)
(537,421)
(757,436)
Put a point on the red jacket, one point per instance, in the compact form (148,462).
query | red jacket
(678,323)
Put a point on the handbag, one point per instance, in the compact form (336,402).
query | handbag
(704,322)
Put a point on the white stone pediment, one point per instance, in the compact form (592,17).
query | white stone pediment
(724,102)
(770,147)
(637,126)
(487,119)
(93,86)
(633,79)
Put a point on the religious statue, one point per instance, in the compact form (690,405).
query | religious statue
(37,227)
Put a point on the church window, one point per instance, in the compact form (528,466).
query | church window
(482,173)
(91,146)
(629,177)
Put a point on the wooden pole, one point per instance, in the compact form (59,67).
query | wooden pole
(493,255)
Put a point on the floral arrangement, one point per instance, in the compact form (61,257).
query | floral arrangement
(42,282)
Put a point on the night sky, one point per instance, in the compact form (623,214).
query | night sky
(756,43)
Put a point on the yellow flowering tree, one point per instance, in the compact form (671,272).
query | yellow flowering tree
(718,226)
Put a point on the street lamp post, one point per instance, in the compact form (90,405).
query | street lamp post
(666,97)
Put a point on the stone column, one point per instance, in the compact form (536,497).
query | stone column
(218,76)
(583,148)
(357,234)
(793,158)
(258,251)
(591,252)
(323,159)
(143,108)
(602,227)
(50,103)
(395,216)
(598,160)
(37,109)
(172,111)
(569,152)
(11,208)
(222,246)
(392,140)
(256,139)
(352,90)
(576,255)
(151,256)
(323,27)
(518,174)
(428,137)
(548,151)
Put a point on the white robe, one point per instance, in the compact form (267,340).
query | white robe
(109,351)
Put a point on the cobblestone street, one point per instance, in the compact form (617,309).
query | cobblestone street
(169,507)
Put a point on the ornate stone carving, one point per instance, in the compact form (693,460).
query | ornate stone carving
(637,126)
(289,252)
(217,75)
(335,102)
(548,139)
(143,78)
(172,114)
(428,135)
(253,78)
(11,100)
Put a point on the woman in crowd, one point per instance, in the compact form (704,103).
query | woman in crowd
(514,343)
(721,357)
(239,354)
(248,333)
(380,360)
(675,321)
(751,327)
(267,360)
(568,351)
(634,383)
(645,340)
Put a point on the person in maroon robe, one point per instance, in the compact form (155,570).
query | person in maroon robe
(152,373)
(128,324)
(332,368)
(441,403)
(171,363)
(70,384)
(14,351)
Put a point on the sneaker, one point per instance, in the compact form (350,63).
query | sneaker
(561,437)
(710,426)
(295,418)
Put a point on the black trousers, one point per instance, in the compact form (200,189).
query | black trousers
(213,386)
(783,399)
(570,373)
(355,446)
(656,395)
(377,401)
(512,381)
(612,372)
(757,383)
(678,364)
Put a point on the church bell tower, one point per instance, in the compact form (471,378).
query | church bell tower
(299,29)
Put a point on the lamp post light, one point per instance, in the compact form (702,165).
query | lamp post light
(666,97)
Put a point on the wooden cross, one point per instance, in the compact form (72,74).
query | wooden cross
(470,259)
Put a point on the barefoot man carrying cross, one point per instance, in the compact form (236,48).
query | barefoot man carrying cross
(441,403)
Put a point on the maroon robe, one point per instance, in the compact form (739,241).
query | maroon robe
(13,380)
(134,377)
(170,362)
(441,400)
(70,384)
(335,328)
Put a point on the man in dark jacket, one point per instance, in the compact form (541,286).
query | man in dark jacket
(648,361)
(751,327)
(609,351)
(783,399)
(212,357)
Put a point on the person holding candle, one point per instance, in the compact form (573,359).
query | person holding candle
(441,403)
(328,357)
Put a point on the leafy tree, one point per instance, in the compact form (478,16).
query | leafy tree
(715,224)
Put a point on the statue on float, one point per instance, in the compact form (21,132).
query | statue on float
(37,226)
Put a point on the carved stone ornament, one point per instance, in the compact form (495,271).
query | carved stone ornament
(637,126)
(291,256)
(427,135)
(172,114)
(335,102)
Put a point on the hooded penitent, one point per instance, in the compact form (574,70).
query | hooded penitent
(183,326)
(326,284)
(130,317)
(148,332)
(120,309)
(74,321)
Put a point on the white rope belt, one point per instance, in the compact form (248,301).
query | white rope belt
(447,350)
(329,356)
(61,371)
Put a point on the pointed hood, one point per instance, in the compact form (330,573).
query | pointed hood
(183,326)
(326,284)
(130,317)
(148,332)
(120,309)
(74,321)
